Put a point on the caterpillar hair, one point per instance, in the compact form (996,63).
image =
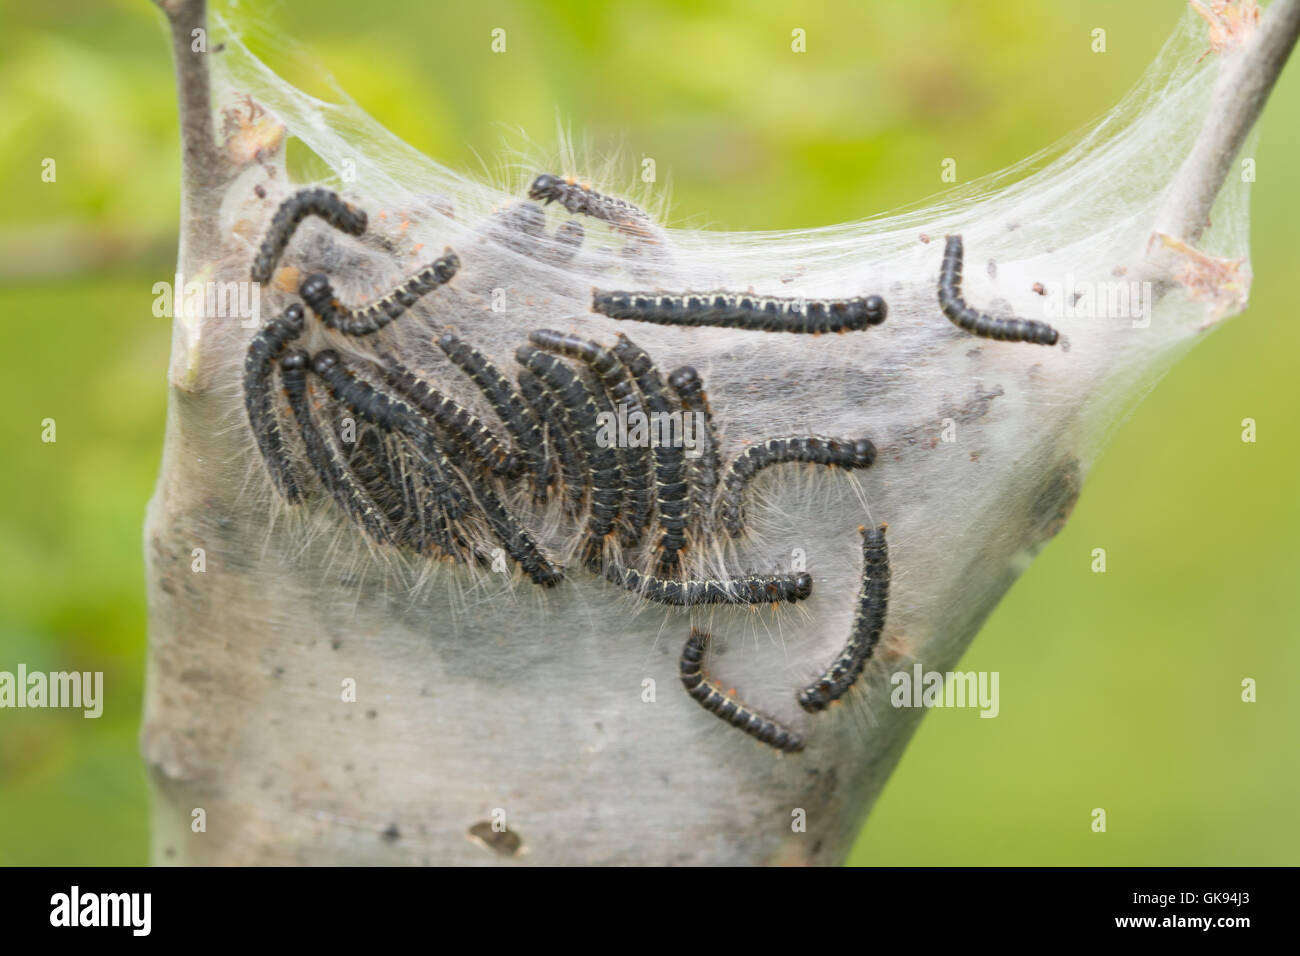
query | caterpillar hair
(868,623)
(976,322)
(321,203)
(761,313)
(317,292)
(264,352)
(841,452)
(711,697)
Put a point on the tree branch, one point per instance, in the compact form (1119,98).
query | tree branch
(203,166)
(1246,78)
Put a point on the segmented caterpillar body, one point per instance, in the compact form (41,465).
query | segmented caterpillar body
(671,494)
(436,519)
(394,487)
(325,458)
(505,401)
(318,293)
(321,203)
(840,452)
(978,323)
(392,414)
(514,537)
(568,451)
(580,410)
(618,478)
(636,462)
(740,310)
(750,589)
(456,422)
(868,623)
(585,201)
(703,470)
(711,697)
(264,352)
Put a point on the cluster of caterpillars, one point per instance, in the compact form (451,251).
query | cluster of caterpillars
(427,475)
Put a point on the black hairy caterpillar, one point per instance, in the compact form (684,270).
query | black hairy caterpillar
(392,414)
(580,409)
(749,589)
(868,623)
(264,352)
(505,401)
(318,293)
(383,473)
(404,493)
(455,421)
(428,528)
(585,201)
(636,462)
(627,535)
(688,385)
(711,697)
(321,203)
(435,520)
(841,452)
(518,544)
(324,456)
(742,310)
(671,495)
(568,451)
(976,322)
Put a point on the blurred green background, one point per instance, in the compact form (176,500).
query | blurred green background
(1119,690)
